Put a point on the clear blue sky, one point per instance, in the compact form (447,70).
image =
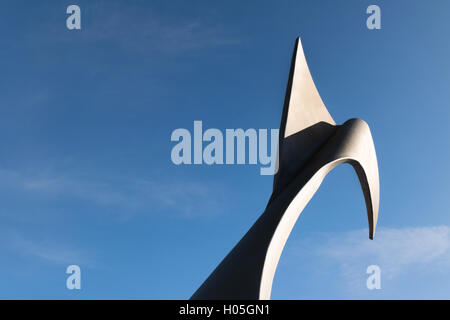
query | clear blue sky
(86,118)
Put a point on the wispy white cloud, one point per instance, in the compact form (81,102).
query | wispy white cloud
(394,250)
(140,29)
(424,250)
(44,251)
(189,198)
(414,264)
(178,197)
(405,255)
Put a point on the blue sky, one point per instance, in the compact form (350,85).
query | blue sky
(86,117)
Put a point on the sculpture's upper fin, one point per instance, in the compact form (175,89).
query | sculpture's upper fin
(303,106)
(305,123)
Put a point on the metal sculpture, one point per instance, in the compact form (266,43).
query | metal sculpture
(310,146)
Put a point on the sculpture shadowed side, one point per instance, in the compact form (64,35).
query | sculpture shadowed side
(310,146)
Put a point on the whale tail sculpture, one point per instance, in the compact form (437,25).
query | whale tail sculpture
(310,146)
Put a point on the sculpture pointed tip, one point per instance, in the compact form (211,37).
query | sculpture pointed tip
(303,106)
(372,230)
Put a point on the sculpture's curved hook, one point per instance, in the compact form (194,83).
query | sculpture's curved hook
(352,143)
(310,146)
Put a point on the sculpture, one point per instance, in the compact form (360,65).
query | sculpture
(310,145)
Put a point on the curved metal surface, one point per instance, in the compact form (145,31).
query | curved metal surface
(311,145)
